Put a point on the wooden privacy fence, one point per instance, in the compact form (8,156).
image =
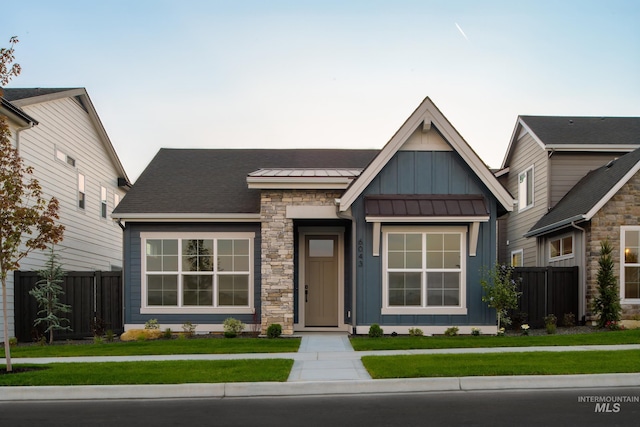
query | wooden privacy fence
(547,290)
(92,295)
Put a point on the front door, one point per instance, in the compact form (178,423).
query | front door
(321,281)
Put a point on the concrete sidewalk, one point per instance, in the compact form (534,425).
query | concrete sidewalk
(324,364)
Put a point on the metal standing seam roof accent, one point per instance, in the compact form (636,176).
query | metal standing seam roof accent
(419,205)
(306,173)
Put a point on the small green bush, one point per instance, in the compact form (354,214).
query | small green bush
(151,324)
(13,341)
(415,332)
(569,319)
(551,323)
(375,331)
(109,335)
(476,332)
(97,339)
(452,331)
(167,333)
(274,330)
(234,327)
(189,328)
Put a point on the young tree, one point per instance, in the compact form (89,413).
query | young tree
(27,220)
(500,291)
(607,304)
(47,293)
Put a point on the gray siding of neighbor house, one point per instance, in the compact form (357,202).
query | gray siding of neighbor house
(527,153)
(422,172)
(133,271)
(566,169)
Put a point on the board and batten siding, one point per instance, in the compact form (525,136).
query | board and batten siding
(133,273)
(90,242)
(422,172)
(566,169)
(527,153)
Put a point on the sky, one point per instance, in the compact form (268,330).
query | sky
(325,73)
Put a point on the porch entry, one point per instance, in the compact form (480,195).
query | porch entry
(321,281)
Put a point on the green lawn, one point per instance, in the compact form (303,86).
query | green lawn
(162,346)
(528,363)
(468,341)
(162,372)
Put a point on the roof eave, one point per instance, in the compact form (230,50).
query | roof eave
(555,226)
(181,217)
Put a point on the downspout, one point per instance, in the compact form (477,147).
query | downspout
(18,130)
(583,287)
(354,255)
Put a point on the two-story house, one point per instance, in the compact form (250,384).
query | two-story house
(547,169)
(58,132)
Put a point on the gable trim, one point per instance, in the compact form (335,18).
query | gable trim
(612,192)
(515,136)
(427,112)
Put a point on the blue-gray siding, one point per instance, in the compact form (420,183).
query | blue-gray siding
(133,272)
(423,172)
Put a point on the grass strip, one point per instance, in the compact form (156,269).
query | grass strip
(528,363)
(468,341)
(155,372)
(159,347)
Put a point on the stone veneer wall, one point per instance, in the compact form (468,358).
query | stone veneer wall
(277,251)
(622,209)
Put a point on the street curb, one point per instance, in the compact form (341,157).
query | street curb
(265,389)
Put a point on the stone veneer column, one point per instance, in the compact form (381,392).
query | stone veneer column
(621,209)
(277,251)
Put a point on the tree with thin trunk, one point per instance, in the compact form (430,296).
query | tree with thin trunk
(606,305)
(27,219)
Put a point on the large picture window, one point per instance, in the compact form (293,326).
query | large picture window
(209,272)
(630,264)
(424,270)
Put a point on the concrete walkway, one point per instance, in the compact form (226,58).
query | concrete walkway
(324,364)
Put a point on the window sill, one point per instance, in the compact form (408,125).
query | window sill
(196,310)
(424,310)
(630,301)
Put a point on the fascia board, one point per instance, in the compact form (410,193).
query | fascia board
(612,192)
(182,217)
(595,148)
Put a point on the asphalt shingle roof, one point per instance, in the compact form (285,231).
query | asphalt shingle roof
(14,94)
(586,194)
(215,181)
(565,130)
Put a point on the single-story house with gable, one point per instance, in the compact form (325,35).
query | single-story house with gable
(316,240)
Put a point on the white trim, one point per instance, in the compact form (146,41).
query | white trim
(521,252)
(212,309)
(180,217)
(593,148)
(427,219)
(311,212)
(429,330)
(515,137)
(533,188)
(375,250)
(427,111)
(303,232)
(461,309)
(561,246)
(474,232)
(623,229)
(318,183)
(613,191)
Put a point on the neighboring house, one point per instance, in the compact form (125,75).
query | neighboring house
(62,138)
(545,166)
(315,240)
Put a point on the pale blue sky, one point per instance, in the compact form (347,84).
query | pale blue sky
(326,74)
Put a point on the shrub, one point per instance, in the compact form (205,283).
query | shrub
(189,328)
(569,319)
(97,339)
(274,330)
(13,341)
(416,332)
(167,333)
(375,331)
(151,324)
(551,323)
(606,305)
(452,331)
(233,327)
(109,336)
(476,332)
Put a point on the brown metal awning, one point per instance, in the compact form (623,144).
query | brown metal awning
(426,205)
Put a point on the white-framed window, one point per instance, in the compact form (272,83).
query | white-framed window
(424,270)
(103,202)
(630,264)
(81,191)
(64,157)
(561,247)
(517,258)
(525,189)
(197,272)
